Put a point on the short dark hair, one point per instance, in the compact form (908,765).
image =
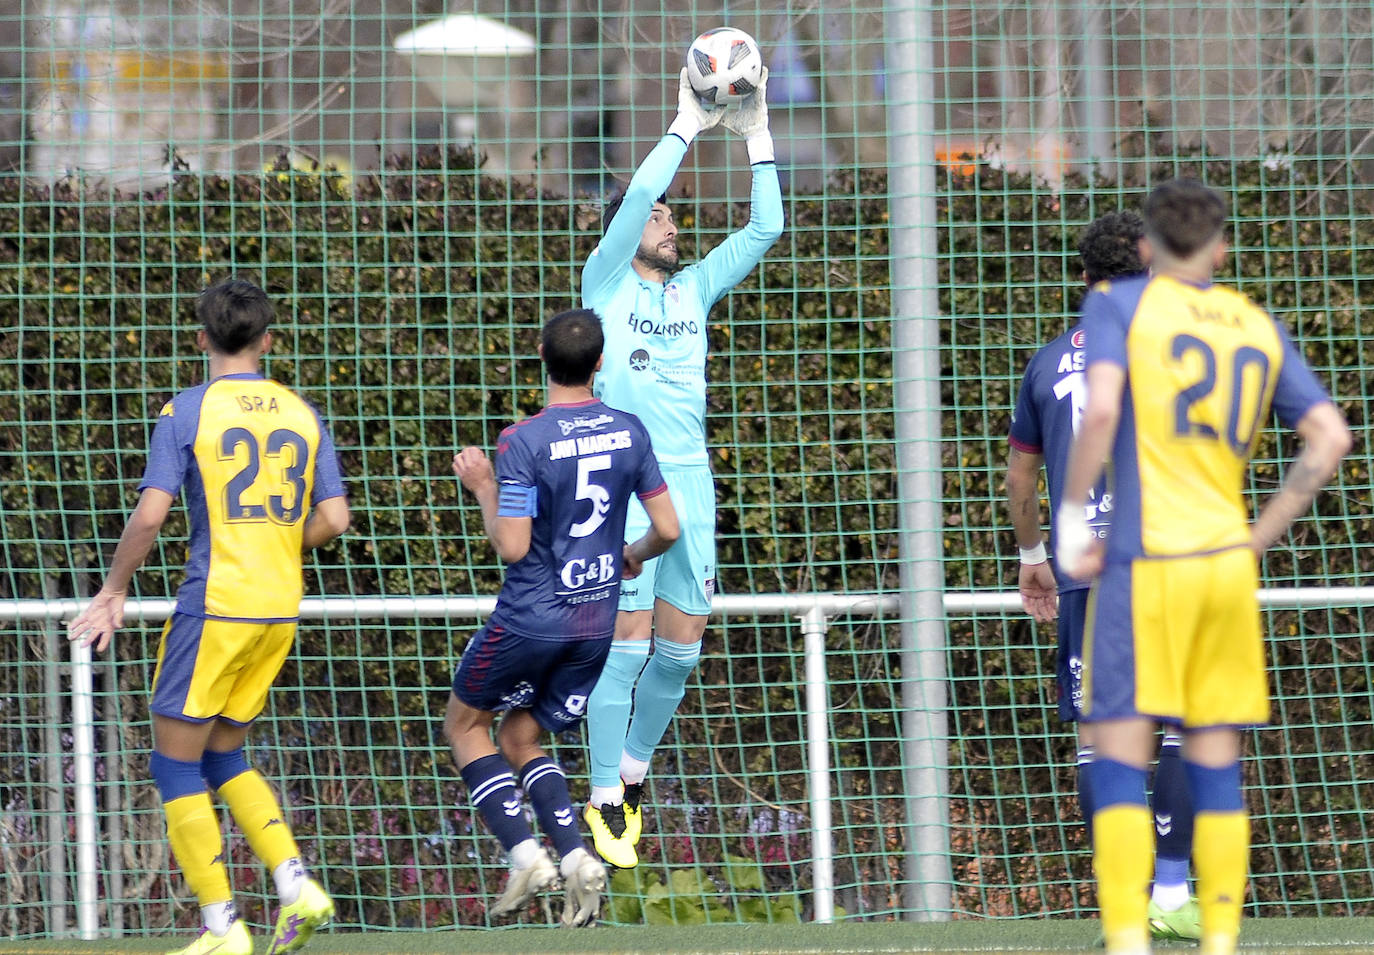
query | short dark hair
(612,206)
(1110,246)
(235,314)
(572,343)
(1183,215)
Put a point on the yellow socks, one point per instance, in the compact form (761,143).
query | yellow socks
(258,814)
(193,831)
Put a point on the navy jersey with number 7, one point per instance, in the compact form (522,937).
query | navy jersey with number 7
(572,469)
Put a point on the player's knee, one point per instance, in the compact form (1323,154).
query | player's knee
(219,768)
(678,659)
(175,778)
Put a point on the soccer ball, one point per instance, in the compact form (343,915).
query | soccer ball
(724,66)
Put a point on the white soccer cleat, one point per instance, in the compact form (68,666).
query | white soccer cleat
(524,884)
(585,888)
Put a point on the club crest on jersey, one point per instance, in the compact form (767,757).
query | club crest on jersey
(671,293)
(1078,338)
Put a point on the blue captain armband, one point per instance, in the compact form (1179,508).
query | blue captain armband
(517,500)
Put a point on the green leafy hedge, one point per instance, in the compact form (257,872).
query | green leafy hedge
(410,305)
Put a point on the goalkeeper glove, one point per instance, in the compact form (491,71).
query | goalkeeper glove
(692,115)
(750,120)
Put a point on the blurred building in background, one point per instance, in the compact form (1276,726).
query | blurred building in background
(114,89)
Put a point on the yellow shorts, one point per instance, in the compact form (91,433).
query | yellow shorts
(209,668)
(1177,639)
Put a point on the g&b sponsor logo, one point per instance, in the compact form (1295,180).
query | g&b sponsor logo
(581,573)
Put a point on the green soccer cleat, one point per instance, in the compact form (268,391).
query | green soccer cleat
(1183,924)
(297,922)
(610,834)
(236,941)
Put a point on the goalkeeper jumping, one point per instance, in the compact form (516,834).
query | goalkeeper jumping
(654,315)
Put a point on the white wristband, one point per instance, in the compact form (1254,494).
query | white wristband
(760,146)
(1034,555)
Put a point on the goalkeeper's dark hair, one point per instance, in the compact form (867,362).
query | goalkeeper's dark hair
(612,206)
(1110,246)
(572,343)
(235,314)
(1183,215)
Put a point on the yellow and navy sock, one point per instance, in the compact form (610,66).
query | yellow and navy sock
(1123,852)
(192,828)
(1221,847)
(254,807)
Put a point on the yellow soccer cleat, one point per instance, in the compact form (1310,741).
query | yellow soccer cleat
(298,921)
(236,941)
(524,884)
(634,819)
(610,834)
(1183,924)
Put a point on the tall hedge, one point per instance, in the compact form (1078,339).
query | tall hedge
(410,305)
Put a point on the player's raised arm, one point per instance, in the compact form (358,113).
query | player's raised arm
(728,263)
(618,245)
(505,514)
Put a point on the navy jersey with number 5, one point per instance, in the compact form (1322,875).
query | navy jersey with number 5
(572,469)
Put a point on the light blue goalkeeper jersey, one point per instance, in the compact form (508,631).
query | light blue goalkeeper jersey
(654,364)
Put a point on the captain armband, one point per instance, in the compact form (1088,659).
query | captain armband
(517,500)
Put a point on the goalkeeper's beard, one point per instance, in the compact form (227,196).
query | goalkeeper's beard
(658,259)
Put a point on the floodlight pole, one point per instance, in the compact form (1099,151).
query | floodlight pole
(910,77)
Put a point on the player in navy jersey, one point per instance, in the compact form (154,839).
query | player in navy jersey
(257,469)
(1182,375)
(554,508)
(655,313)
(1043,424)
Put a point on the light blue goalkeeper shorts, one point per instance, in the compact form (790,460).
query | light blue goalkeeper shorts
(685,576)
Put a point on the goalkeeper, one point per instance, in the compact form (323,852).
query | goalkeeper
(654,314)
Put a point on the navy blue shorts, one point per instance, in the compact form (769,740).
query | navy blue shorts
(501,670)
(1073,616)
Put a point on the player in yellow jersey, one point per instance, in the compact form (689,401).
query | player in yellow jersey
(1181,377)
(258,473)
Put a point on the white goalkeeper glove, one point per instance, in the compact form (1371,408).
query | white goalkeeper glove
(692,114)
(750,120)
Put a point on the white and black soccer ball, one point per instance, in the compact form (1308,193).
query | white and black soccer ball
(724,66)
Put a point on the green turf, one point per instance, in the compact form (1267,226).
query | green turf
(1269,936)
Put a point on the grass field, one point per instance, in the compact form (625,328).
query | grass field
(1269,936)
